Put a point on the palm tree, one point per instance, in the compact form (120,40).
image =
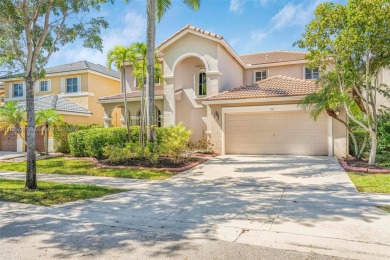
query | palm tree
(156,9)
(13,117)
(118,56)
(139,50)
(44,120)
(328,98)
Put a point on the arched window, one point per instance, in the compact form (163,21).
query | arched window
(157,117)
(201,82)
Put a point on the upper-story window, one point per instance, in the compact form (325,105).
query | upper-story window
(17,90)
(260,75)
(44,86)
(201,82)
(312,73)
(72,85)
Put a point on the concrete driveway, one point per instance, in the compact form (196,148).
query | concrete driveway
(305,204)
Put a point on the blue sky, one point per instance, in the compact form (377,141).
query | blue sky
(249,26)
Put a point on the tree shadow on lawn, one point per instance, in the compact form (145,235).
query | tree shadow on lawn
(178,208)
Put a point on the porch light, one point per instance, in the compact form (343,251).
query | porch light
(216,115)
(337,112)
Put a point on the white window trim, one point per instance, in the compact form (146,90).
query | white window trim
(304,73)
(40,86)
(13,91)
(255,71)
(199,70)
(78,79)
(272,108)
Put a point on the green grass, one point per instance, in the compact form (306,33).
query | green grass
(50,193)
(62,165)
(368,182)
(385,208)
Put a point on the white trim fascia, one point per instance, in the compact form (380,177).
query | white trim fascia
(266,65)
(120,100)
(73,114)
(77,94)
(214,72)
(47,76)
(252,100)
(232,52)
(330,136)
(164,45)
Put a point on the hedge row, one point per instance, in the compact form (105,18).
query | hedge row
(91,142)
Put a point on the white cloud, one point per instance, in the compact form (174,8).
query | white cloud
(258,36)
(236,6)
(131,29)
(294,14)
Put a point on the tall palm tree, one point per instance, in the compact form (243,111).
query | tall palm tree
(156,9)
(44,120)
(13,117)
(139,50)
(118,56)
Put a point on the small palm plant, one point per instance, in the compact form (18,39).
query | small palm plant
(13,118)
(44,120)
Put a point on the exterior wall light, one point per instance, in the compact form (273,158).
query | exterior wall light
(216,115)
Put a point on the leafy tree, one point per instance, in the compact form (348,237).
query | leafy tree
(118,56)
(13,118)
(30,32)
(352,42)
(44,120)
(156,9)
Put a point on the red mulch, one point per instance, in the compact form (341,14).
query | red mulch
(352,165)
(164,164)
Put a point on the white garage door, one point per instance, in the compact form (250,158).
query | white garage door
(292,132)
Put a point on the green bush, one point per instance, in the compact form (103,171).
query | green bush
(120,155)
(175,141)
(61,133)
(384,133)
(76,142)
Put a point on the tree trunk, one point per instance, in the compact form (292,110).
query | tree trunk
(31,173)
(151,42)
(123,81)
(46,137)
(363,147)
(142,110)
(374,144)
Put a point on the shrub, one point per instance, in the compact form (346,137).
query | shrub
(120,155)
(384,133)
(61,133)
(202,146)
(175,141)
(76,142)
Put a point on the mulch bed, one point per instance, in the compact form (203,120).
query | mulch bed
(352,165)
(164,164)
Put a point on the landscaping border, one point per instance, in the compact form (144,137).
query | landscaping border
(97,163)
(348,168)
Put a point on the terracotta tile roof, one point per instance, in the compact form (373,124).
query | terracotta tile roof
(135,94)
(272,57)
(277,86)
(193,28)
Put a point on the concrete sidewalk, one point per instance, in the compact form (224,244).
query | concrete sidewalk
(304,204)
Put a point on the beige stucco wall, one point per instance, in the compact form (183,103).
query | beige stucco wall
(214,130)
(185,73)
(295,71)
(93,87)
(232,71)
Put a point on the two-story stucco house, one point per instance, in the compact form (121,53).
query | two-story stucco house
(72,89)
(243,104)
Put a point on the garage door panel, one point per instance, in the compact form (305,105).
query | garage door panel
(276,133)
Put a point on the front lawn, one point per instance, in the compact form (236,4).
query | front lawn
(372,183)
(50,193)
(62,165)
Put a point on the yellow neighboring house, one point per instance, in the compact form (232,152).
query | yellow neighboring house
(72,89)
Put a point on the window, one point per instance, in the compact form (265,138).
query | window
(157,117)
(18,90)
(44,86)
(312,73)
(200,82)
(71,85)
(260,75)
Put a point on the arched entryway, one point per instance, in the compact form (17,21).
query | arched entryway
(190,76)
(157,117)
